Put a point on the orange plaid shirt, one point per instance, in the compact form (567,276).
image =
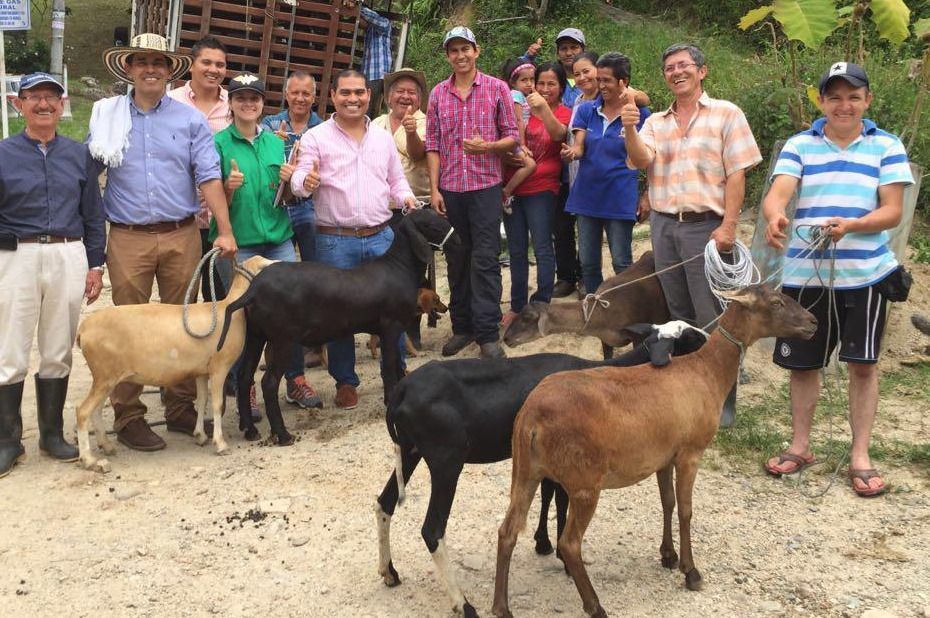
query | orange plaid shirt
(689,168)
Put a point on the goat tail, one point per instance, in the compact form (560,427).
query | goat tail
(239,303)
(399,472)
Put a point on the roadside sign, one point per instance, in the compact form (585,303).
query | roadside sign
(15,15)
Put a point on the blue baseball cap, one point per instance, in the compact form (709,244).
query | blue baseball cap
(459,32)
(35,79)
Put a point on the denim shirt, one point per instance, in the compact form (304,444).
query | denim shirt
(273,123)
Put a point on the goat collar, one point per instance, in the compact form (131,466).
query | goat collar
(739,344)
(439,247)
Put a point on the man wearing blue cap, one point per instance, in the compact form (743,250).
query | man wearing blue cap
(850,176)
(52,239)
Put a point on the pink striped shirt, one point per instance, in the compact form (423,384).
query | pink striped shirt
(487,110)
(689,168)
(357,179)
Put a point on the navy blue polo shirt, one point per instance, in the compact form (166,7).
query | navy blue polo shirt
(604,187)
(53,192)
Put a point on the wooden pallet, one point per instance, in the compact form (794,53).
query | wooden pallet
(271,38)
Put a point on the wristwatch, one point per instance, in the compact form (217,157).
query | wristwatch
(100,268)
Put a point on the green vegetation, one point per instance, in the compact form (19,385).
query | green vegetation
(763,423)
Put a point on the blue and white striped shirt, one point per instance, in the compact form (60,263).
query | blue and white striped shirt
(838,182)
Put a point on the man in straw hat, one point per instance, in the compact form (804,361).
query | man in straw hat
(157,153)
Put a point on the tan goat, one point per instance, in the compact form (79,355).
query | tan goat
(147,344)
(612,427)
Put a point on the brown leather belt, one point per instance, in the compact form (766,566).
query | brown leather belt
(692,217)
(47,239)
(357,232)
(155,228)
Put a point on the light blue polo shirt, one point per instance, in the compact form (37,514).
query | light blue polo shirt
(604,186)
(841,182)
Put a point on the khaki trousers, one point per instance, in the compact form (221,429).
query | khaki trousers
(41,287)
(135,260)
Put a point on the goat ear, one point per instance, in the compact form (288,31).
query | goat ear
(641,329)
(744,296)
(418,244)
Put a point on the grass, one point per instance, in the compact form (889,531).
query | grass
(763,423)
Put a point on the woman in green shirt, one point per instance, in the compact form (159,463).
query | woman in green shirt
(253,165)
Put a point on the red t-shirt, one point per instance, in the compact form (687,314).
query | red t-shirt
(546,152)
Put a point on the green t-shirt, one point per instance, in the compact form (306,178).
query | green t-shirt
(254,218)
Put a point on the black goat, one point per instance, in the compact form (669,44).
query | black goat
(462,411)
(312,303)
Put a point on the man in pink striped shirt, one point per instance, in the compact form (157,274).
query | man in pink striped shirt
(470,122)
(353,171)
(696,155)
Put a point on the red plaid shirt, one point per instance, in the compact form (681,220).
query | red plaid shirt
(488,110)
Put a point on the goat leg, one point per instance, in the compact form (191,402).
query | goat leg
(384,511)
(391,371)
(685,473)
(582,504)
(200,436)
(522,491)
(271,382)
(245,377)
(667,495)
(543,545)
(217,399)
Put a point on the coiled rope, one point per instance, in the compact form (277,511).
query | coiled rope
(209,257)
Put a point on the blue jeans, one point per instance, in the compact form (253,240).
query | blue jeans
(533,216)
(303,221)
(619,240)
(347,252)
(285,253)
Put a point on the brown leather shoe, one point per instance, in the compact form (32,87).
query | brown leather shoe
(139,436)
(186,421)
(346,397)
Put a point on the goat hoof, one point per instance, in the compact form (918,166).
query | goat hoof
(468,611)
(502,613)
(543,547)
(200,438)
(108,448)
(285,439)
(693,580)
(670,561)
(391,578)
(222,450)
(251,434)
(97,465)
(599,612)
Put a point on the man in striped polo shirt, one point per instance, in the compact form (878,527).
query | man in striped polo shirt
(696,155)
(851,177)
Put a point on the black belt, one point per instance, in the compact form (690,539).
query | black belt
(154,228)
(48,239)
(692,217)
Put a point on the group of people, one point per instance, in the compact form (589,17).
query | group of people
(551,147)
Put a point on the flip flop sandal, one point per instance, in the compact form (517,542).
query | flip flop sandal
(864,474)
(800,463)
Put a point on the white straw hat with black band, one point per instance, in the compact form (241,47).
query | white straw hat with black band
(115,58)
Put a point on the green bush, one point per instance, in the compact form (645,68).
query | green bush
(23,56)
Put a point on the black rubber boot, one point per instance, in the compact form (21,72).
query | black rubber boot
(728,414)
(11,427)
(50,399)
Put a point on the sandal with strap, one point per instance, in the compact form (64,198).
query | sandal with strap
(799,464)
(864,475)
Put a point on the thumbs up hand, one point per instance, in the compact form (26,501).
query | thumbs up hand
(288,168)
(409,122)
(312,180)
(534,48)
(236,178)
(282,131)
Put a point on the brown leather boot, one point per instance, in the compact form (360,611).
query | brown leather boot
(186,421)
(139,436)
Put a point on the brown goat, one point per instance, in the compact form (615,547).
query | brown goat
(147,344)
(428,301)
(637,303)
(612,427)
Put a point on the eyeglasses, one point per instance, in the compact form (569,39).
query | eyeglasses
(35,98)
(681,66)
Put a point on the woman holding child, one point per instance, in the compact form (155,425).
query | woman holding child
(533,208)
